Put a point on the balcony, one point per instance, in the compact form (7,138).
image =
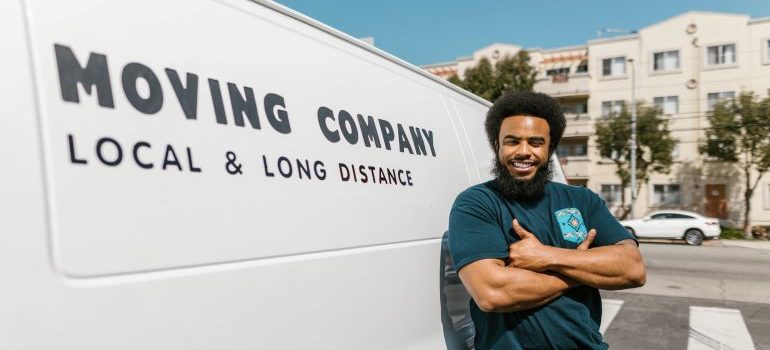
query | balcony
(562,85)
(575,167)
(578,125)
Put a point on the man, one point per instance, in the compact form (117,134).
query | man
(533,253)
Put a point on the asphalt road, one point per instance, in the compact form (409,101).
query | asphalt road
(731,283)
(709,271)
(660,322)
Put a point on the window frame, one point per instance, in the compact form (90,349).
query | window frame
(709,66)
(765,50)
(578,69)
(677,69)
(615,190)
(653,198)
(613,104)
(720,98)
(613,76)
(558,71)
(665,100)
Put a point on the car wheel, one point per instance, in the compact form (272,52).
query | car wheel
(693,237)
(631,231)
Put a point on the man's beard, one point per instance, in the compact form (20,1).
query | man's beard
(521,190)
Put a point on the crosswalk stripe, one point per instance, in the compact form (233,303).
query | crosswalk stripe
(718,328)
(610,308)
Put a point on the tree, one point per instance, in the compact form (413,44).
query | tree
(654,147)
(515,73)
(509,74)
(481,80)
(740,134)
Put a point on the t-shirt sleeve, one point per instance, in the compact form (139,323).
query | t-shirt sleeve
(474,231)
(608,229)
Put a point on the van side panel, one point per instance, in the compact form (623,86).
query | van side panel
(352,136)
(180,175)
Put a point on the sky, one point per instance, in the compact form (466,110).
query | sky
(425,32)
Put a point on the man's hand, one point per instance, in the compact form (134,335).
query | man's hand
(528,253)
(586,243)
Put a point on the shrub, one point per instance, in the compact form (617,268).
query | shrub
(731,233)
(760,232)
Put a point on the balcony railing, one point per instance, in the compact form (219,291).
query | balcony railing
(559,78)
(576,167)
(559,85)
(578,124)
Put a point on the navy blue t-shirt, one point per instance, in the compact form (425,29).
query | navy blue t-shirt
(480,227)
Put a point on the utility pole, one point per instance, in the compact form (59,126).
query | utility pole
(633,138)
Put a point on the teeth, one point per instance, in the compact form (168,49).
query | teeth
(522,164)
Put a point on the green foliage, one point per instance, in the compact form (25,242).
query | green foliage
(481,80)
(515,73)
(653,140)
(740,134)
(731,233)
(509,74)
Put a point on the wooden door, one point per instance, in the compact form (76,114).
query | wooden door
(716,201)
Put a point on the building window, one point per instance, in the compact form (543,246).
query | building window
(558,75)
(667,104)
(715,97)
(612,194)
(583,66)
(614,67)
(557,71)
(573,148)
(580,107)
(720,55)
(665,61)
(666,194)
(612,108)
(675,151)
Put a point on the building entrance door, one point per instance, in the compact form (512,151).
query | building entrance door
(716,201)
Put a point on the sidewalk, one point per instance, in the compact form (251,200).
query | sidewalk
(763,245)
(751,244)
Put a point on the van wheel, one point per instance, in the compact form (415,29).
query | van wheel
(693,237)
(631,231)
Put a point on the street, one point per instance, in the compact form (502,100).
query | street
(714,296)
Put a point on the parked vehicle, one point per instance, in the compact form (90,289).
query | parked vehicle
(674,224)
(221,175)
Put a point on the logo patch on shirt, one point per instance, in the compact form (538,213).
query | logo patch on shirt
(573,229)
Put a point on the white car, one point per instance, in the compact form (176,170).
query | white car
(674,224)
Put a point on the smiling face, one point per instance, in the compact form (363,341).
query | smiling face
(523,145)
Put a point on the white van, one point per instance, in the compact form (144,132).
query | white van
(221,174)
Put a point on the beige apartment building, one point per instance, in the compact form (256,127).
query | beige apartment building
(683,65)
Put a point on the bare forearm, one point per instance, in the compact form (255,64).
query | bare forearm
(520,289)
(609,267)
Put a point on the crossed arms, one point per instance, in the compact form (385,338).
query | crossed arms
(536,274)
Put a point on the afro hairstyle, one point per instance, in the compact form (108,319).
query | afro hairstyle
(526,103)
